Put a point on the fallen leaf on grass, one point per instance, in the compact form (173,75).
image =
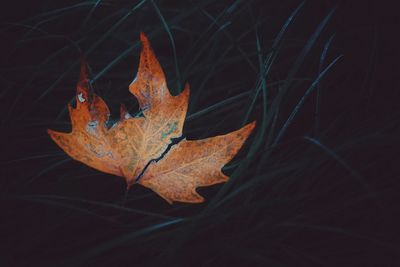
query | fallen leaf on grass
(134,147)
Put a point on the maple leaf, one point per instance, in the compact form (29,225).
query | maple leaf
(133,143)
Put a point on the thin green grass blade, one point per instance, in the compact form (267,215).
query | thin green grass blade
(94,46)
(271,57)
(352,171)
(171,38)
(216,106)
(89,16)
(230,37)
(80,260)
(49,168)
(301,102)
(56,199)
(258,140)
(296,66)
(318,97)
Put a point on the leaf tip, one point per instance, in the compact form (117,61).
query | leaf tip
(186,89)
(56,136)
(185,92)
(49,132)
(144,39)
(252,124)
(82,88)
(52,133)
(250,127)
(84,72)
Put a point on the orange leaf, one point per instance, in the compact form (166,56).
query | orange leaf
(89,140)
(190,164)
(132,143)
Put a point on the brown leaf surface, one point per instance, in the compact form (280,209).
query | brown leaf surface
(190,164)
(127,147)
(164,113)
(89,142)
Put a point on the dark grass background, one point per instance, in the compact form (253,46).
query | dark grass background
(315,185)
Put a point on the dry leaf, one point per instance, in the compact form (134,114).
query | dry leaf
(131,144)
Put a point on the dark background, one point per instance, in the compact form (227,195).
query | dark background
(325,194)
